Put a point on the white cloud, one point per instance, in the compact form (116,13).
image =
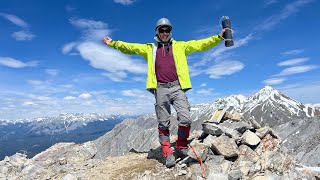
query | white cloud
(67,86)
(88,24)
(68,98)
(195,71)
(95,34)
(139,79)
(203,85)
(35,82)
(204,32)
(124,2)
(296,70)
(292,52)
(224,68)
(91,30)
(270,2)
(29,103)
(23,35)
(111,60)
(85,96)
(68,47)
(43,98)
(205,91)
(116,76)
(292,62)
(15,20)
(52,72)
(274,81)
(217,52)
(287,11)
(13,63)
(305,92)
(116,64)
(133,93)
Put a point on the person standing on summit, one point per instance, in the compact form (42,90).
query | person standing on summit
(168,79)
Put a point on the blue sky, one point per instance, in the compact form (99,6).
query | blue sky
(52,58)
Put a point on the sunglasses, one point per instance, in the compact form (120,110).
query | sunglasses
(164,30)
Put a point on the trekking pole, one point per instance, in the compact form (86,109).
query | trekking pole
(203,171)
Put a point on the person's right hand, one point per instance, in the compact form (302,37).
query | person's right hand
(107,40)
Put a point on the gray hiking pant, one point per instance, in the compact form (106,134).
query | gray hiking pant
(171,94)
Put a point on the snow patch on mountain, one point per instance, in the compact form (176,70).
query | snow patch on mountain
(68,118)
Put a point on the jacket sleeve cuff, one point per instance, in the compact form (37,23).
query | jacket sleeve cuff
(112,43)
(220,37)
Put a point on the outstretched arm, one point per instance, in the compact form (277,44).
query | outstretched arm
(127,48)
(203,44)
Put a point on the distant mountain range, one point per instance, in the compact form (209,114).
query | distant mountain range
(256,152)
(32,136)
(268,107)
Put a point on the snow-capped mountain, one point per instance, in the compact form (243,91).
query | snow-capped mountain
(236,101)
(69,122)
(271,107)
(36,134)
(68,117)
(268,106)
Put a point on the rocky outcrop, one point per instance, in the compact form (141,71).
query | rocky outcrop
(60,160)
(301,137)
(241,151)
(137,135)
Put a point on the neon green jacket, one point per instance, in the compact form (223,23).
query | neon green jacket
(179,49)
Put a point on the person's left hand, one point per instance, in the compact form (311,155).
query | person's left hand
(222,32)
(107,40)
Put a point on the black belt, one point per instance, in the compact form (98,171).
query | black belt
(168,84)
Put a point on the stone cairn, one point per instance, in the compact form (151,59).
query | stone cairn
(232,148)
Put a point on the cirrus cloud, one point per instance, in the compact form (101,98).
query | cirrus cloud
(292,62)
(124,2)
(23,35)
(274,81)
(296,70)
(224,68)
(15,20)
(13,63)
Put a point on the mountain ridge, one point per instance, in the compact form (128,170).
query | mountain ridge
(147,126)
(131,139)
(85,117)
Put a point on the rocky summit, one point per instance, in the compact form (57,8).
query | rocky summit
(237,146)
(231,149)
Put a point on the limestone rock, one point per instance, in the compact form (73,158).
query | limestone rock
(225,146)
(200,149)
(247,154)
(211,128)
(239,126)
(234,174)
(261,132)
(250,138)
